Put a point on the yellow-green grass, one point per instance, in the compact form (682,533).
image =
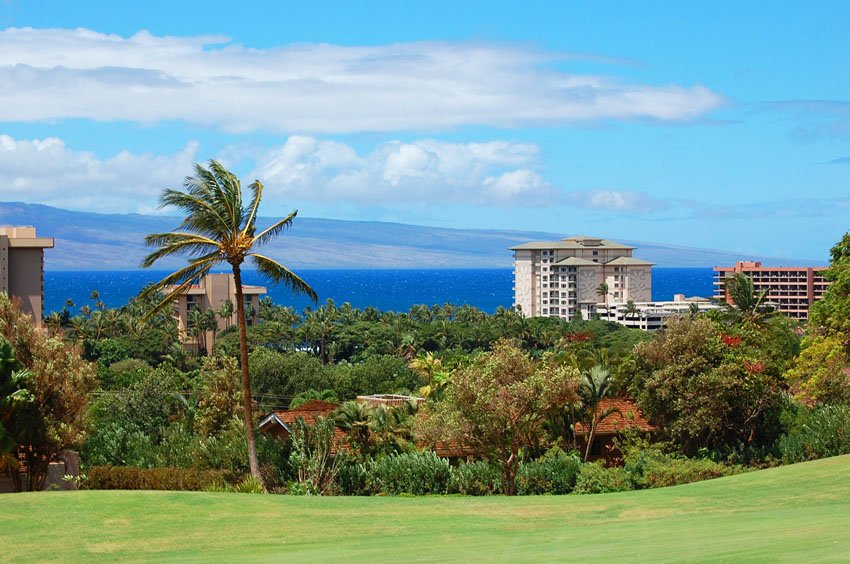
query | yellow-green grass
(799,512)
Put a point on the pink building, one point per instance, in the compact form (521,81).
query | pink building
(790,289)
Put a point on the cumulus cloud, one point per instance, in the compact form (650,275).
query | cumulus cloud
(493,173)
(321,88)
(48,172)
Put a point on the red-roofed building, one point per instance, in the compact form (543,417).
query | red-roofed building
(625,415)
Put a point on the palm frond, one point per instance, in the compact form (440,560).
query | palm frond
(282,275)
(273,231)
(256,188)
(181,280)
(178,243)
(200,216)
(231,191)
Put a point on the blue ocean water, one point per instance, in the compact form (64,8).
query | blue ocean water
(394,290)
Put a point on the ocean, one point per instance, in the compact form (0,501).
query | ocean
(389,290)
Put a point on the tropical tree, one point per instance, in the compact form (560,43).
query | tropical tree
(631,310)
(748,305)
(602,292)
(218,228)
(596,385)
(354,419)
(498,406)
(225,312)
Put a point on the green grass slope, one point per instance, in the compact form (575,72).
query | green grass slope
(799,512)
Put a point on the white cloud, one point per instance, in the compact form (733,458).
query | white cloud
(616,200)
(55,73)
(495,173)
(48,172)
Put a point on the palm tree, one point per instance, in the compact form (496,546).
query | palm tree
(225,312)
(218,228)
(602,291)
(354,418)
(631,310)
(748,305)
(596,385)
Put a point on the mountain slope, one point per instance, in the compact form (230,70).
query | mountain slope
(90,241)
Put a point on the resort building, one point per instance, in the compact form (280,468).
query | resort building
(211,293)
(790,289)
(22,268)
(564,278)
(651,316)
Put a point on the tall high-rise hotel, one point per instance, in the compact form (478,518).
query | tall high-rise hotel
(560,278)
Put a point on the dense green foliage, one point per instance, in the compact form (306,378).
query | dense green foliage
(131,478)
(715,386)
(817,433)
(44,396)
(595,478)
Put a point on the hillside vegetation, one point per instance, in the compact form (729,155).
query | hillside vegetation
(794,512)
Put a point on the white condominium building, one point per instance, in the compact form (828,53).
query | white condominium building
(561,278)
(651,316)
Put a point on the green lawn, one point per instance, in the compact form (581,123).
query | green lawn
(799,512)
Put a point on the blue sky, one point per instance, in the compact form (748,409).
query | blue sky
(723,125)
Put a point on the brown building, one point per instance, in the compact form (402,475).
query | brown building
(22,268)
(790,289)
(211,293)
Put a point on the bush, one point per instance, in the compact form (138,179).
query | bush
(122,374)
(417,473)
(353,478)
(554,473)
(133,478)
(475,478)
(649,467)
(382,374)
(594,478)
(287,374)
(819,433)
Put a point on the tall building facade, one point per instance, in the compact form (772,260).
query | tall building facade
(563,278)
(210,293)
(790,289)
(22,268)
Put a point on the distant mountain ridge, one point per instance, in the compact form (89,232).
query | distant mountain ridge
(93,241)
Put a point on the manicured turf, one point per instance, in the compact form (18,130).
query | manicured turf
(797,512)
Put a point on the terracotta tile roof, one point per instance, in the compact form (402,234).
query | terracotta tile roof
(309,411)
(629,415)
(314,409)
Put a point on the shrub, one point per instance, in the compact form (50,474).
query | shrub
(382,374)
(819,433)
(353,478)
(133,478)
(475,478)
(554,473)
(417,473)
(649,467)
(594,478)
(122,374)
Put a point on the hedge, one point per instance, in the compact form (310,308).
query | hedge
(133,478)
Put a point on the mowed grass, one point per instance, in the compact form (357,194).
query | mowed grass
(799,512)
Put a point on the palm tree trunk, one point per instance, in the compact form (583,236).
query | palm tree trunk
(590,436)
(246,378)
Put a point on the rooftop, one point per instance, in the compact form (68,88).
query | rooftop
(574,242)
(628,261)
(627,415)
